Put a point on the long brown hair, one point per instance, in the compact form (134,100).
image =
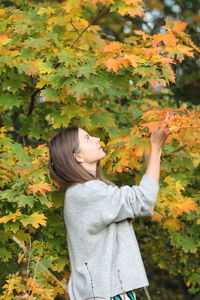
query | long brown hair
(63,167)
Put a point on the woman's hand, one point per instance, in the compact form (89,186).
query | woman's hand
(158,138)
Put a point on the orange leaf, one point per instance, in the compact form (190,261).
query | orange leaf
(168,39)
(114,64)
(151,125)
(41,187)
(179,26)
(157,217)
(186,206)
(4,39)
(112,47)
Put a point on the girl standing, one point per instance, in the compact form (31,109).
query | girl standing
(105,258)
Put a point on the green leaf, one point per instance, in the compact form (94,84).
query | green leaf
(87,69)
(44,200)
(24,200)
(8,101)
(103,119)
(17,82)
(26,53)
(187,243)
(12,226)
(65,57)
(37,43)
(5,255)
(49,94)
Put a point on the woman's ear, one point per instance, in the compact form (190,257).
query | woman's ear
(78,157)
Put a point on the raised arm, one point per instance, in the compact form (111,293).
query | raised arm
(158,137)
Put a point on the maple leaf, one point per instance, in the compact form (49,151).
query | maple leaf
(95,1)
(114,64)
(134,59)
(31,283)
(11,216)
(185,50)
(168,73)
(193,45)
(136,11)
(153,50)
(41,187)
(157,217)
(112,47)
(4,39)
(151,125)
(155,83)
(169,39)
(144,35)
(175,26)
(186,206)
(46,10)
(132,2)
(35,220)
(172,223)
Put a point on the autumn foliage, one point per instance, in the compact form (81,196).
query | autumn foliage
(59,68)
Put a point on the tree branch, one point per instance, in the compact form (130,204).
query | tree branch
(91,22)
(32,103)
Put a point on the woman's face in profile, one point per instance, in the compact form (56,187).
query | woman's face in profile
(90,148)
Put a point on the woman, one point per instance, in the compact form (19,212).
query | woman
(104,254)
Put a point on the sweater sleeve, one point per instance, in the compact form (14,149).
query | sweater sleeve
(105,204)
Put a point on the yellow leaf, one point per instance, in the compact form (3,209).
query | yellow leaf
(2,132)
(11,216)
(172,224)
(46,10)
(42,82)
(35,220)
(186,206)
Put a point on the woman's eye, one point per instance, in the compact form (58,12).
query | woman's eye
(87,137)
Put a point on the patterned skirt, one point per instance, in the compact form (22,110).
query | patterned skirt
(125,296)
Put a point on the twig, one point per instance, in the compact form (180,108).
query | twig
(93,20)
(182,147)
(178,149)
(53,276)
(147,293)
(34,276)
(74,27)
(29,258)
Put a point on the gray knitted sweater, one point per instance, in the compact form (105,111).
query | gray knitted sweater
(104,254)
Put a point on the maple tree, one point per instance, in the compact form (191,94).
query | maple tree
(60,68)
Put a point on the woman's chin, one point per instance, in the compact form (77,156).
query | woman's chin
(103,154)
